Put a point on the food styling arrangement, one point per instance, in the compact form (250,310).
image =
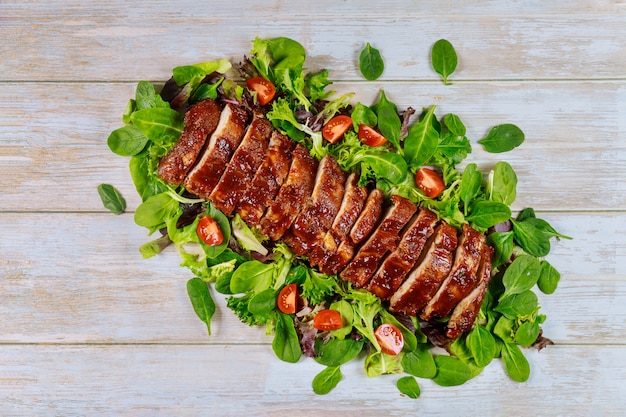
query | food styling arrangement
(347,229)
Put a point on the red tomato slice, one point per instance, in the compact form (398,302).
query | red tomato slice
(430,182)
(264,89)
(327,320)
(369,136)
(389,338)
(288,298)
(209,231)
(336,127)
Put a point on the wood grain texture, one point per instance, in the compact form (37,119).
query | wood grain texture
(88,327)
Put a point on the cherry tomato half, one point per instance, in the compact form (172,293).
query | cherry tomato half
(288,299)
(369,136)
(264,89)
(389,338)
(430,182)
(209,231)
(327,320)
(336,127)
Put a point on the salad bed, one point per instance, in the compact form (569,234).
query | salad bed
(267,285)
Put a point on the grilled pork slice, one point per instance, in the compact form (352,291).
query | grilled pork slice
(200,121)
(241,168)
(204,176)
(462,277)
(398,263)
(268,179)
(351,206)
(311,225)
(385,238)
(292,196)
(335,261)
(464,314)
(431,269)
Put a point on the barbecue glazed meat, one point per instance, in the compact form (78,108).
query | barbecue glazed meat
(432,268)
(311,225)
(200,121)
(462,277)
(334,262)
(267,180)
(398,263)
(243,165)
(292,196)
(225,139)
(353,201)
(464,314)
(384,238)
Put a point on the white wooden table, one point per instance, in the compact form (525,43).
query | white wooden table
(88,327)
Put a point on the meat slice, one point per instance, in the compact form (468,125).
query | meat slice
(431,269)
(398,263)
(464,314)
(333,262)
(205,175)
(241,168)
(385,238)
(200,121)
(268,179)
(292,196)
(462,277)
(311,225)
(351,205)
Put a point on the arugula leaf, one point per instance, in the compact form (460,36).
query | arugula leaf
(111,198)
(502,138)
(371,63)
(201,300)
(444,59)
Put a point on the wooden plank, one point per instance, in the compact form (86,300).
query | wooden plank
(247,380)
(109,42)
(53,139)
(78,278)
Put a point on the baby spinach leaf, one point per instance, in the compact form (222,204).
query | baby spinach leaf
(521,275)
(147,98)
(285,344)
(485,214)
(146,183)
(362,114)
(371,63)
(530,238)
(549,278)
(527,333)
(519,305)
(454,124)
(502,183)
(222,221)
(482,345)
(389,166)
(515,363)
(337,351)
(127,141)
(502,138)
(111,198)
(471,180)
(408,386)
(195,73)
(325,381)
(251,275)
(444,59)
(262,303)
(420,363)
(502,243)
(421,143)
(153,212)
(504,329)
(201,300)
(162,126)
(525,214)
(347,316)
(389,122)
(455,148)
(451,371)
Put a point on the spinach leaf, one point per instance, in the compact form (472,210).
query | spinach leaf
(408,386)
(502,138)
(195,73)
(471,180)
(420,363)
(389,122)
(286,345)
(502,183)
(325,381)
(127,141)
(504,329)
(451,371)
(347,316)
(454,148)
(485,214)
(389,166)
(527,333)
(525,214)
(147,183)
(444,59)
(201,300)
(251,275)
(521,275)
(336,351)
(502,243)
(519,305)
(549,278)
(482,345)
(454,124)
(147,98)
(371,63)
(111,198)
(422,140)
(153,212)
(362,114)
(531,238)
(515,363)
(262,303)
(222,221)
(162,126)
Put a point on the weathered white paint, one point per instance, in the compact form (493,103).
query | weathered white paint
(89,327)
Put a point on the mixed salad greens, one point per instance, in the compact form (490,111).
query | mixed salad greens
(308,313)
